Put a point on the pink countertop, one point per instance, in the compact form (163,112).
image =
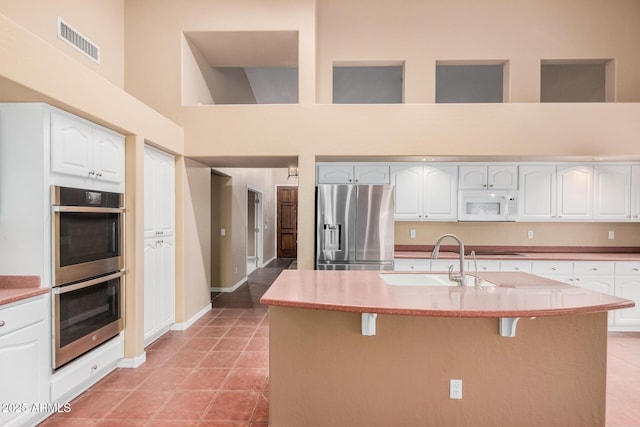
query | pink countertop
(16,288)
(528,256)
(515,295)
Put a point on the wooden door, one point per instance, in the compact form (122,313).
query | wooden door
(287,222)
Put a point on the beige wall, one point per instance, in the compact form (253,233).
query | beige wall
(101,21)
(196,290)
(422,32)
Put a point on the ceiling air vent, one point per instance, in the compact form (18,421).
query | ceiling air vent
(77,40)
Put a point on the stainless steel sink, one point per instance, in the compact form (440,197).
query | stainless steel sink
(415,279)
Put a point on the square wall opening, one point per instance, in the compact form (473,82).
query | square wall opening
(471,81)
(576,80)
(239,67)
(367,83)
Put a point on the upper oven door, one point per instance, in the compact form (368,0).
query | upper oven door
(87,242)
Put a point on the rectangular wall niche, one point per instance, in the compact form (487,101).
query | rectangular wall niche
(469,82)
(576,81)
(367,84)
(239,67)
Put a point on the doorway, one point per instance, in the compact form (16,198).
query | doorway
(287,217)
(254,229)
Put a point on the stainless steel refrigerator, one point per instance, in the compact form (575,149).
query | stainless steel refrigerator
(354,227)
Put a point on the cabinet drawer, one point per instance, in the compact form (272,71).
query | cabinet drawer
(86,370)
(411,265)
(22,314)
(587,267)
(628,268)
(443,265)
(483,265)
(522,266)
(552,267)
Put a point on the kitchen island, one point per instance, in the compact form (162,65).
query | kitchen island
(326,368)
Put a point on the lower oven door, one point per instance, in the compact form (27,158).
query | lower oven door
(86,314)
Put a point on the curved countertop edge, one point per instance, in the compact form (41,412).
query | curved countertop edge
(332,291)
(449,313)
(8,296)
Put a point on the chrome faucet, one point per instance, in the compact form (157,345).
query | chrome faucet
(460,278)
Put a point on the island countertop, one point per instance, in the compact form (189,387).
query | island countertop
(515,294)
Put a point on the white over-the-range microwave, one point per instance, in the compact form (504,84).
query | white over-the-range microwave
(487,205)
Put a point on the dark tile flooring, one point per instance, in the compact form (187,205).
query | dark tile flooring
(216,373)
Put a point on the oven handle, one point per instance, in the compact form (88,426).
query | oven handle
(86,209)
(64,289)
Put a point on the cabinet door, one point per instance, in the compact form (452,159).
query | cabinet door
(635,192)
(612,198)
(151,283)
(440,201)
(335,174)
(166,291)
(408,192)
(628,287)
(108,155)
(165,196)
(371,174)
(575,190)
(23,368)
(71,146)
(159,190)
(503,177)
(537,200)
(473,177)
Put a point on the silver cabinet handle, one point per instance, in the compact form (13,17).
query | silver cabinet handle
(553,268)
(516,268)
(1,323)
(594,269)
(98,173)
(92,172)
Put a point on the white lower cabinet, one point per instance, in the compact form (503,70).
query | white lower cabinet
(76,377)
(412,265)
(627,285)
(159,254)
(24,362)
(516,266)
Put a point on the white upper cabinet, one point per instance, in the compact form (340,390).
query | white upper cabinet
(612,196)
(407,182)
(86,150)
(555,193)
(494,177)
(425,193)
(440,193)
(537,200)
(575,192)
(353,174)
(635,192)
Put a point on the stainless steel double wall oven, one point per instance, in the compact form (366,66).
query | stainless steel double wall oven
(88,269)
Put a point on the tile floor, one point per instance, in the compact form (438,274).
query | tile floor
(216,373)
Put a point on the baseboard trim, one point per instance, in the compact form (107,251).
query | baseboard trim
(231,289)
(133,363)
(186,325)
(264,264)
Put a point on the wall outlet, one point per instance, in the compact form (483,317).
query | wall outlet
(412,233)
(223,232)
(530,234)
(611,235)
(455,389)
